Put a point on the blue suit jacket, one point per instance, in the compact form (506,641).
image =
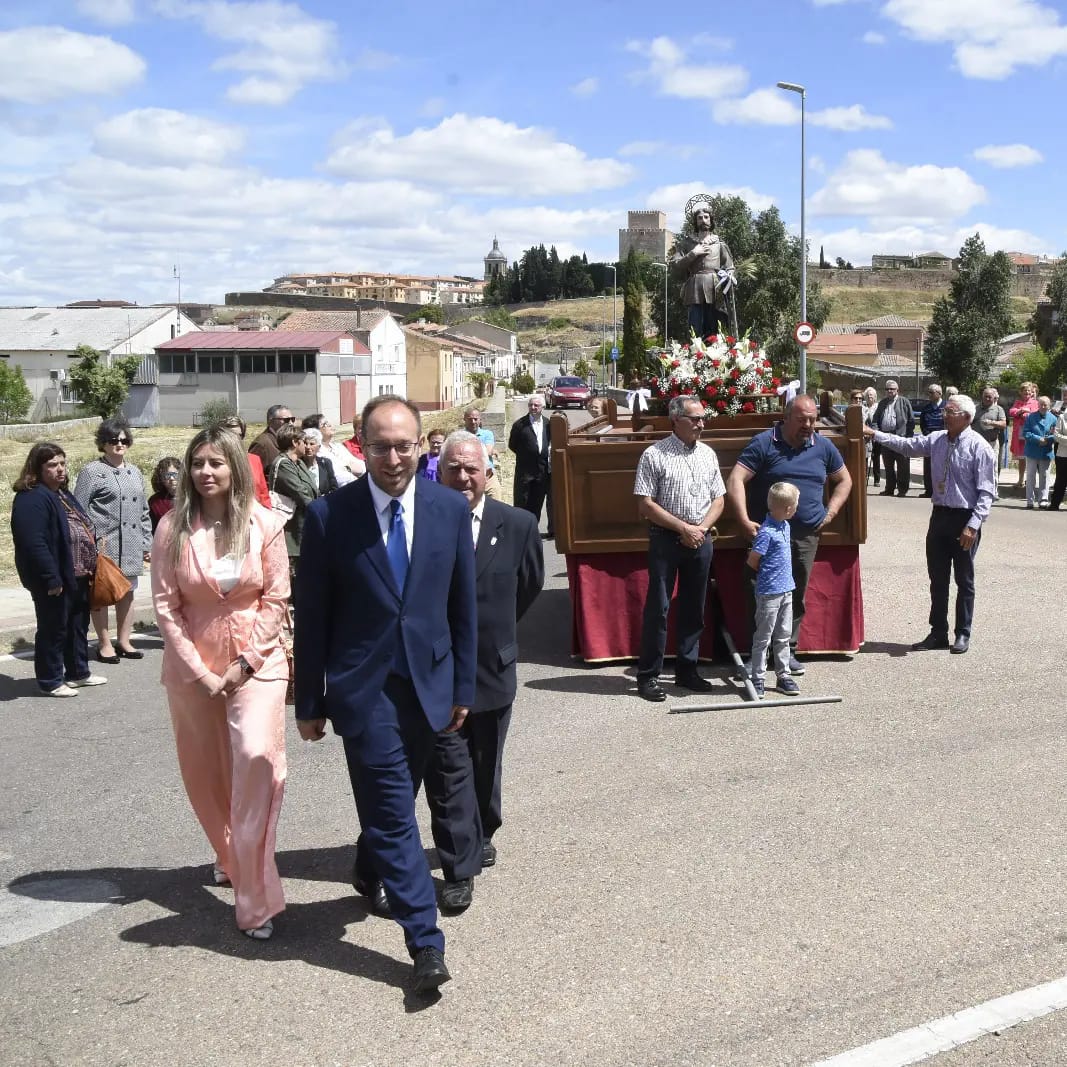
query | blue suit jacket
(41,534)
(350,614)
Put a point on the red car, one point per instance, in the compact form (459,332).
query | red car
(562,392)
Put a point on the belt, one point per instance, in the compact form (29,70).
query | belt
(942,507)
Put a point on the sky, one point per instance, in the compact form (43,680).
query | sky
(244,140)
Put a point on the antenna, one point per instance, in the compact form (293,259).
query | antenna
(178,316)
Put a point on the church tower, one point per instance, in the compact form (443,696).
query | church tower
(496,263)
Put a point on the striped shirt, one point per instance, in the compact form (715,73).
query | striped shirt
(682,480)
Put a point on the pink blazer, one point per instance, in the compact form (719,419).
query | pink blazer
(203,630)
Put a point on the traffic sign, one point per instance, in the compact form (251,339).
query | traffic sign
(804,333)
(614,353)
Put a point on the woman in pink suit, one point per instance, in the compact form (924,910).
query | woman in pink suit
(221,583)
(1025,405)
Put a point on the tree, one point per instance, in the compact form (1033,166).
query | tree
(479,380)
(522,383)
(15,395)
(632,358)
(102,389)
(822,259)
(498,316)
(961,343)
(1049,321)
(843,264)
(217,409)
(582,368)
(431,313)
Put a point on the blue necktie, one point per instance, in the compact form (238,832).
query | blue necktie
(396,547)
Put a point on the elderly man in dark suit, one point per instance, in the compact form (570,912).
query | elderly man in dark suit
(385,649)
(529,440)
(463,782)
(894,416)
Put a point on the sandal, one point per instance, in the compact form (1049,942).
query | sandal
(260,933)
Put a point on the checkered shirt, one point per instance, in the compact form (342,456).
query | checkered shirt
(668,472)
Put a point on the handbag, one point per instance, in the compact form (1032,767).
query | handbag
(109,584)
(279,502)
(287,646)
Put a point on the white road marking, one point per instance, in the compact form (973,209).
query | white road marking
(47,905)
(960,1028)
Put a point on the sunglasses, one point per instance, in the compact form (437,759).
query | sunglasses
(117,440)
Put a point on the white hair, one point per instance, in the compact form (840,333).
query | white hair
(459,438)
(965,404)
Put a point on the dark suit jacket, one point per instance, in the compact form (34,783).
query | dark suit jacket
(41,533)
(327,478)
(351,614)
(530,462)
(510,570)
(291,477)
(904,415)
(266,447)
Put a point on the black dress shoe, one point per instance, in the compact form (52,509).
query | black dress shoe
(457,896)
(430,970)
(106,659)
(652,690)
(375,893)
(931,643)
(128,653)
(692,680)
(488,854)
(886,492)
(960,645)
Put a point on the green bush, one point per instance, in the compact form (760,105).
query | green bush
(15,395)
(522,382)
(214,411)
(561,322)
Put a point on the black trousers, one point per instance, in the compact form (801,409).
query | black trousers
(944,555)
(897,471)
(669,560)
(1059,486)
(803,549)
(463,791)
(533,492)
(61,643)
(876,462)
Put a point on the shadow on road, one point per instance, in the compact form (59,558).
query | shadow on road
(313,932)
(17,688)
(885,648)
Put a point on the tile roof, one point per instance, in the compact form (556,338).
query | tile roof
(63,329)
(259,340)
(345,321)
(836,328)
(895,361)
(889,320)
(857,344)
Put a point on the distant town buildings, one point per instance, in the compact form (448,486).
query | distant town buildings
(1022,262)
(646,231)
(382,286)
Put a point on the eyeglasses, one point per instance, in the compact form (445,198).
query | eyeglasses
(402,448)
(117,440)
(697,418)
(171,476)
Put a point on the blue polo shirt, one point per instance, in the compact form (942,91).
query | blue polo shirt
(772,459)
(775,574)
(932,417)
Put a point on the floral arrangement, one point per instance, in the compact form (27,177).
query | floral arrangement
(731,376)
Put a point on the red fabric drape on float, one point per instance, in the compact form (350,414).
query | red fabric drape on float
(608,596)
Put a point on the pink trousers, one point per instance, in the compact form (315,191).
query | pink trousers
(232,758)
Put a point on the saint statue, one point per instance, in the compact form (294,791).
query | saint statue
(709,272)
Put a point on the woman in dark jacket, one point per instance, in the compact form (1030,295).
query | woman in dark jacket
(55,556)
(289,476)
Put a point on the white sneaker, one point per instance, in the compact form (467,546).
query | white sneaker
(92,679)
(62,691)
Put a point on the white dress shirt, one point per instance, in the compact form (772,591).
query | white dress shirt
(476,520)
(382,502)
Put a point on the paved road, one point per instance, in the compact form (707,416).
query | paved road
(754,887)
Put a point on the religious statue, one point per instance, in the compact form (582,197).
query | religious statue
(709,273)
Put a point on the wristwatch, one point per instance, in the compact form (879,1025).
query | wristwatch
(246,667)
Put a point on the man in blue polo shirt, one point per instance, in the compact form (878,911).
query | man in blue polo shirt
(931,419)
(791,451)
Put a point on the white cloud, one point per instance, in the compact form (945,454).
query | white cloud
(43,63)
(642,148)
(1004,156)
(586,87)
(279,46)
(674,74)
(990,38)
(868,184)
(873,37)
(474,155)
(109,12)
(858,245)
(157,135)
(373,59)
(776,107)
(673,198)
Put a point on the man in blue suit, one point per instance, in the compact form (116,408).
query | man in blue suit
(386,650)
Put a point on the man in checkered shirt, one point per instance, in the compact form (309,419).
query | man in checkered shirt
(680,493)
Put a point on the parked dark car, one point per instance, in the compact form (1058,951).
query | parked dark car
(564,391)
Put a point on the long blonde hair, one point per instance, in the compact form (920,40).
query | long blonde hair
(242,494)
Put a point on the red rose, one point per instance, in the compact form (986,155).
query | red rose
(776,381)
(712,392)
(735,374)
(753,345)
(732,390)
(713,339)
(720,404)
(748,407)
(731,341)
(675,364)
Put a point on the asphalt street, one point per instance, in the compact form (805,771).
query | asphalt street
(753,887)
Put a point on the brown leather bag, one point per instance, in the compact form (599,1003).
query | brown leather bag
(109,584)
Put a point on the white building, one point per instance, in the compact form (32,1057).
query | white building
(42,341)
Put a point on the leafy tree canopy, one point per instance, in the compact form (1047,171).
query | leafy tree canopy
(15,395)
(102,389)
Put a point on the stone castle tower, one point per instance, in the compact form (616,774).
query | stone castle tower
(496,263)
(647,232)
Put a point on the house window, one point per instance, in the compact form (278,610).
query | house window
(296,362)
(385,390)
(256,363)
(888,343)
(177,363)
(215,364)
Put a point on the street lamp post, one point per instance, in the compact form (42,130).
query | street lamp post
(666,274)
(793,88)
(614,322)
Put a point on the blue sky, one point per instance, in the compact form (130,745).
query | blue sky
(249,139)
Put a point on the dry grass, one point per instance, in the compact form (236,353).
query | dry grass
(149,447)
(859,305)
